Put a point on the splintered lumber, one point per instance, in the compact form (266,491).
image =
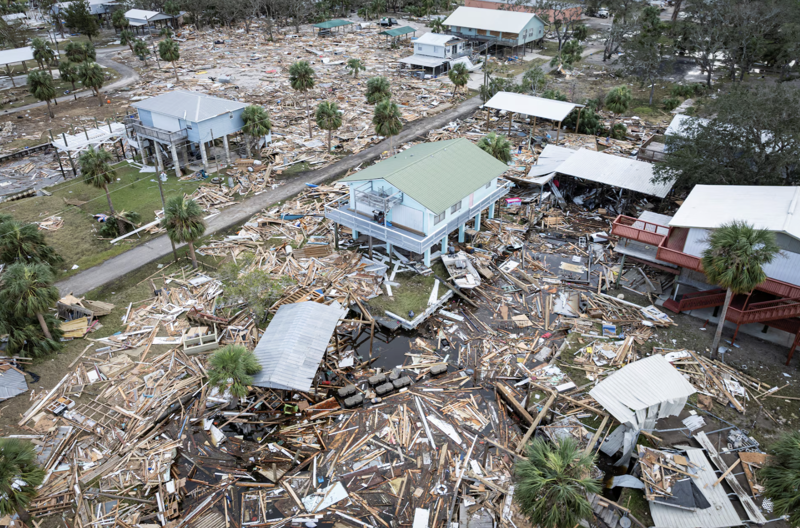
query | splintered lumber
(508,395)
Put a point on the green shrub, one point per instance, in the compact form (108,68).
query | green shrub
(671,103)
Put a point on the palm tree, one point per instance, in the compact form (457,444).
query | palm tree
(89,52)
(126,38)
(68,73)
(378,89)
(355,66)
(169,51)
(734,260)
(618,100)
(387,120)
(92,76)
(498,146)
(25,243)
(781,475)
(75,52)
(436,25)
(232,366)
(96,170)
(183,220)
(256,125)
(301,79)
(24,335)
(19,477)
(166,31)
(118,19)
(553,482)
(28,291)
(141,50)
(40,85)
(459,75)
(328,118)
(43,54)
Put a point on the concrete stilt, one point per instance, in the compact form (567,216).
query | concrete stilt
(227,150)
(175,160)
(158,156)
(444,245)
(141,150)
(461,236)
(389,250)
(355,234)
(491,210)
(478,222)
(426,257)
(204,155)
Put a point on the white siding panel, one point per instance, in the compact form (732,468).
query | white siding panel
(407,217)
(165,122)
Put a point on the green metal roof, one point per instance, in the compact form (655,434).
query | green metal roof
(396,32)
(329,24)
(437,175)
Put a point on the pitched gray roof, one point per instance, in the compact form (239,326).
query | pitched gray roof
(194,107)
(294,343)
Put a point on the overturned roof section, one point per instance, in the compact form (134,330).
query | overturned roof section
(765,207)
(16,55)
(532,106)
(194,107)
(396,32)
(12,382)
(330,24)
(435,39)
(628,393)
(721,514)
(548,162)
(436,175)
(489,19)
(423,60)
(623,173)
(294,343)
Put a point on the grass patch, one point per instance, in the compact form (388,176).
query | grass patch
(412,294)
(297,168)
(515,68)
(549,49)
(25,98)
(635,501)
(77,241)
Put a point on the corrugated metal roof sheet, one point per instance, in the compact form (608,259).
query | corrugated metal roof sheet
(611,170)
(548,161)
(435,39)
(292,347)
(194,107)
(436,175)
(16,55)
(140,14)
(721,514)
(532,106)
(329,24)
(489,19)
(774,208)
(12,382)
(639,386)
(423,60)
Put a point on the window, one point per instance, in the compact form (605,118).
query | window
(456,207)
(438,218)
(488,185)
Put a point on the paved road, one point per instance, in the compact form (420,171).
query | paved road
(129,76)
(157,248)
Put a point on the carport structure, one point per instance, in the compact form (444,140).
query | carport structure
(331,24)
(529,105)
(12,56)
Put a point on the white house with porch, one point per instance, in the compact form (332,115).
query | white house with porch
(416,198)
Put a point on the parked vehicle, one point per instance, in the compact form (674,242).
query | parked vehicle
(602,13)
(389,22)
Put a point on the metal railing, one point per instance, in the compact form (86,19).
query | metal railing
(155,133)
(339,212)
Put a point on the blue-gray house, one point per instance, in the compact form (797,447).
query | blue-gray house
(184,120)
(416,198)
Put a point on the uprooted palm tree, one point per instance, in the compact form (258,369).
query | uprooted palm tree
(781,476)
(387,120)
(378,89)
(96,170)
(553,482)
(734,260)
(256,125)
(28,292)
(328,118)
(497,146)
(40,85)
(183,220)
(301,79)
(355,66)
(19,477)
(232,368)
(459,75)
